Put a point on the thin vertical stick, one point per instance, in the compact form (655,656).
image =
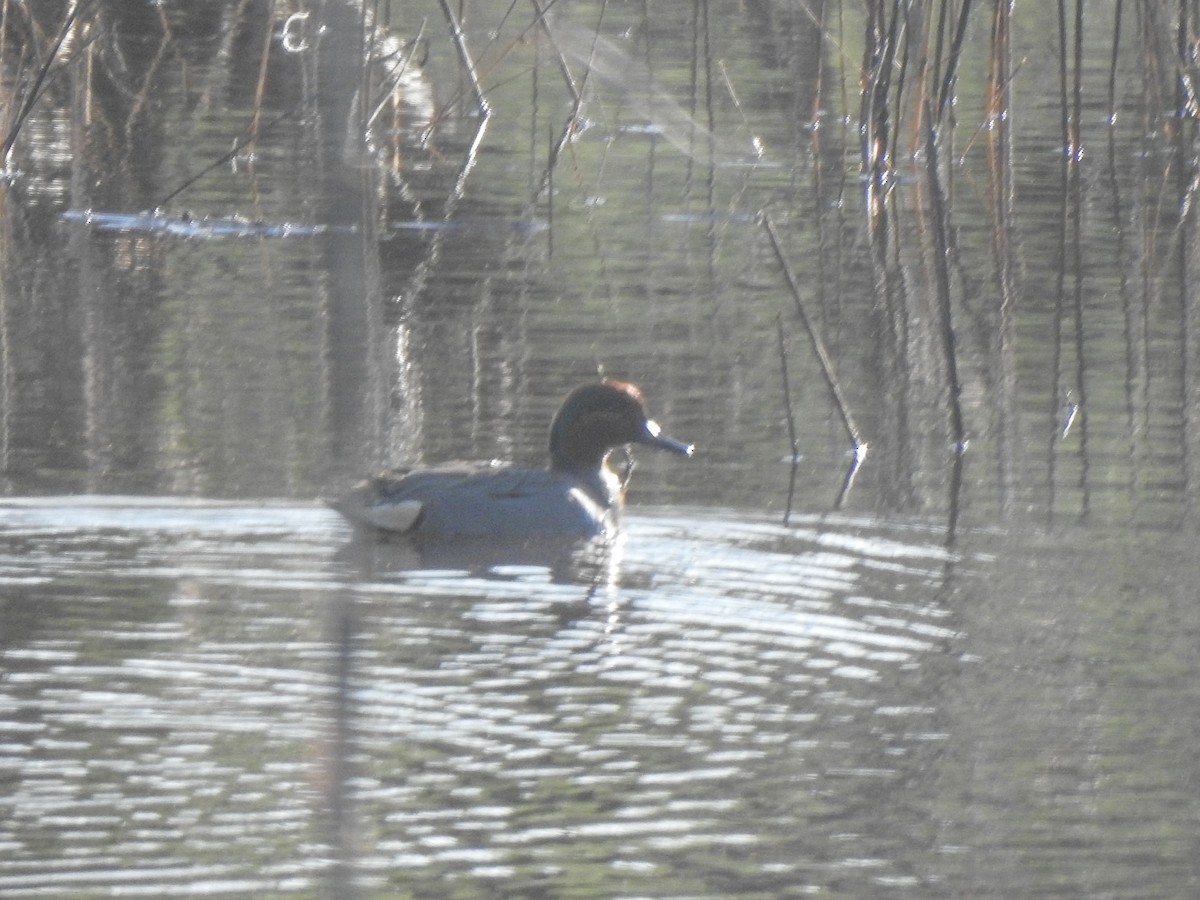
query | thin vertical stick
(1002,199)
(260,88)
(945,315)
(1136,351)
(709,112)
(550,197)
(791,421)
(1183,138)
(901,30)
(1077,254)
(942,277)
(1112,68)
(1067,151)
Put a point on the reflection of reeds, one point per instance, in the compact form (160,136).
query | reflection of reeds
(1002,201)
(944,302)
(859,446)
(39,78)
(945,349)
(1069,298)
(912,56)
(1186,163)
(464,55)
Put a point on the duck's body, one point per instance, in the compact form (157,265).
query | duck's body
(478,500)
(578,496)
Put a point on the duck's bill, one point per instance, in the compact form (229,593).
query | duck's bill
(654,437)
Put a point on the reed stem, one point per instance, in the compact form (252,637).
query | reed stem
(827,369)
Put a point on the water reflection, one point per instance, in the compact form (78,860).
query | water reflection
(370,556)
(978,680)
(443,271)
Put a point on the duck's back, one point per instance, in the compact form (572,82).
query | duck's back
(477,500)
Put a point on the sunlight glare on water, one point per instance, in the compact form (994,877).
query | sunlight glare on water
(171,695)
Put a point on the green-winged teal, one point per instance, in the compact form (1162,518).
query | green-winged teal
(579,495)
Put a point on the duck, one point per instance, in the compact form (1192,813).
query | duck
(577,496)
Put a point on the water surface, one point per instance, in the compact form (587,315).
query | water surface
(968,672)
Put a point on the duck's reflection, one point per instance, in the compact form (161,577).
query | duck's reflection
(371,555)
(371,559)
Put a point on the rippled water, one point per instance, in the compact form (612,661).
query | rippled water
(190,689)
(219,698)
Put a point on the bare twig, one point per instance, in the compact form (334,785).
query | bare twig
(572,121)
(460,44)
(856,460)
(264,62)
(35,88)
(818,347)
(568,79)
(256,131)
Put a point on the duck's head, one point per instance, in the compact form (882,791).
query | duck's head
(597,417)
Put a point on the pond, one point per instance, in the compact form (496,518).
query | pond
(918,618)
